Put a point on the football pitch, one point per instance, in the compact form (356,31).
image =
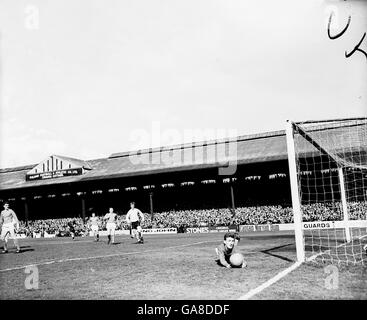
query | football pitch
(177,266)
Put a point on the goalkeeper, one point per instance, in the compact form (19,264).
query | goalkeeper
(10,223)
(227,248)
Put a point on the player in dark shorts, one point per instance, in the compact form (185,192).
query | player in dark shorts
(135,225)
(133,217)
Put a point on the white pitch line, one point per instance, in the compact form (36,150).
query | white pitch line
(28,265)
(41,243)
(34,242)
(270,282)
(108,256)
(281,275)
(102,256)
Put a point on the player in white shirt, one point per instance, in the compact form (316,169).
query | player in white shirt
(134,217)
(111,225)
(10,224)
(94,221)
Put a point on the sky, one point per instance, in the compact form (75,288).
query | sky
(88,78)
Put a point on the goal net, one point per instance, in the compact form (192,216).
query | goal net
(328,171)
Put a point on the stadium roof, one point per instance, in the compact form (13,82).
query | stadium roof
(257,148)
(244,149)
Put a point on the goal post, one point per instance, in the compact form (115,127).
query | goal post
(328,178)
(344,203)
(296,201)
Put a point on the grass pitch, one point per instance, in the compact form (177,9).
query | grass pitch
(178,266)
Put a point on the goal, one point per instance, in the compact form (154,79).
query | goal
(328,175)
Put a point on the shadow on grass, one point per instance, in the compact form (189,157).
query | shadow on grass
(22,249)
(26,249)
(268,251)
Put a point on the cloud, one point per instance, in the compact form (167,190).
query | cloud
(23,145)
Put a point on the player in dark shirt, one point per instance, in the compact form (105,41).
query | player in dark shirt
(71,226)
(227,248)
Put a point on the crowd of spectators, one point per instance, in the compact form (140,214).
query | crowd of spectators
(59,227)
(256,215)
(209,217)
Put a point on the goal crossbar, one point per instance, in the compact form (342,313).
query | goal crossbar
(317,146)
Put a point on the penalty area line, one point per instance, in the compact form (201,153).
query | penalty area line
(100,256)
(270,282)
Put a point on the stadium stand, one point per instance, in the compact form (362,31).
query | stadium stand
(211,217)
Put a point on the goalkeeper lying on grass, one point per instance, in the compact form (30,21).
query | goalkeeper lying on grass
(227,248)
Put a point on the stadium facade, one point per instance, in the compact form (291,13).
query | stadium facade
(243,171)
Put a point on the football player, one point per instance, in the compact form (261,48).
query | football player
(226,249)
(111,225)
(134,217)
(10,224)
(93,220)
(71,226)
